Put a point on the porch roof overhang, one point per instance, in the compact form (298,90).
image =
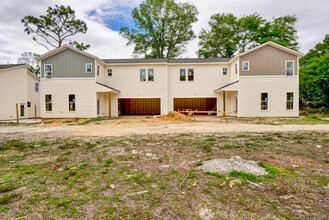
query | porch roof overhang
(233,86)
(104,88)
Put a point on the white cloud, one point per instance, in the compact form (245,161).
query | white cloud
(106,43)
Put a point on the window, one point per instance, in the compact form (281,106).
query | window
(142,77)
(190,74)
(49,104)
(29,104)
(109,72)
(245,66)
(97,70)
(89,67)
(72,103)
(290,100)
(236,68)
(48,71)
(150,74)
(289,68)
(36,87)
(224,71)
(264,101)
(182,75)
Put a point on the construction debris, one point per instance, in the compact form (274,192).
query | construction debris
(176,116)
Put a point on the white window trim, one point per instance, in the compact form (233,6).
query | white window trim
(243,66)
(186,74)
(146,74)
(226,71)
(75,98)
(44,71)
(108,72)
(49,102)
(293,67)
(293,100)
(268,103)
(91,69)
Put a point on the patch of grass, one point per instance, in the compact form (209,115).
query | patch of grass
(227,146)
(91,120)
(108,162)
(48,122)
(271,169)
(7,187)
(199,163)
(215,174)
(245,176)
(326,161)
(67,122)
(5,198)
(90,145)
(68,145)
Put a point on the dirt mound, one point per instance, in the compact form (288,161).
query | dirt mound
(225,166)
(176,116)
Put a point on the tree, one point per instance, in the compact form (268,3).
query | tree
(229,35)
(318,51)
(162,28)
(314,75)
(56,27)
(30,59)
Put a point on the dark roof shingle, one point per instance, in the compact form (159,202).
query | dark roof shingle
(158,60)
(7,66)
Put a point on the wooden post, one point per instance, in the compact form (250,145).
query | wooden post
(109,105)
(35,112)
(17,113)
(224,104)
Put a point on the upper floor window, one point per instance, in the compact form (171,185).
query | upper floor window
(109,72)
(142,75)
(49,104)
(71,102)
(245,66)
(48,71)
(97,70)
(224,71)
(264,101)
(36,87)
(289,68)
(188,77)
(290,100)
(182,75)
(236,68)
(150,74)
(89,67)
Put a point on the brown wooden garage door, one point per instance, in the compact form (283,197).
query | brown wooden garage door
(202,104)
(147,106)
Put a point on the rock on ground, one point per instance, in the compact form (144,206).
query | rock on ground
(225,166)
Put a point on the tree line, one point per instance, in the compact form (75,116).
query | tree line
(164,28)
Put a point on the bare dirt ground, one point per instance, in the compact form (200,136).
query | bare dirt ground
(143,126)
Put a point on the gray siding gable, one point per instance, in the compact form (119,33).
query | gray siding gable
(68,64)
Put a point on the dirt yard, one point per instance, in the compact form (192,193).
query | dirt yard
(145,168)
(143,126)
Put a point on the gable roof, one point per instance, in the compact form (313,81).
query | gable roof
(8,66)
(270,43)
(109,87)
(65,47)
(227,85)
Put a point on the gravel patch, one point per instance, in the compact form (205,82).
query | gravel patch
(225,166)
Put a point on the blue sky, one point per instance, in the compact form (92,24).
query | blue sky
(104,19)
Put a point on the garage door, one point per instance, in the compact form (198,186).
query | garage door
(202,104)
(147,106)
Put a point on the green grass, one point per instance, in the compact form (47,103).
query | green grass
(5,198)
(215,174)
(245,176)
(227,146)
(91,121)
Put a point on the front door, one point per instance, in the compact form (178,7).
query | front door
(98,106)
(22,111)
